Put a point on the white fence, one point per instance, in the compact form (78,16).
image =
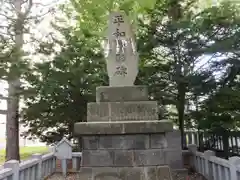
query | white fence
(37,168)
(42,166)
(214,168)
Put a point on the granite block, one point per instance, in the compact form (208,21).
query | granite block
(158,141)
(150,157)
(131,173)
(98,112)
(93,158)
(126,173)
(148,126)
(118,94)
(163,173)
(122,111)
(138,141)
(122,127)
(150,173)
(90,142)
(173,157)
(123,158)
(173,139)
(142,110)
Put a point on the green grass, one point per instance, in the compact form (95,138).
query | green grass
(25,152)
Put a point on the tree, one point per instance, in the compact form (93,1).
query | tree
(60,89)
(220,107)
(15,31)
(80,56)
(173,39)
(17,19)
(176,38)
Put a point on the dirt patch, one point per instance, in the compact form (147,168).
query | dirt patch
(195,176)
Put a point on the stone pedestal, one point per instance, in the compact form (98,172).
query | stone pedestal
(123,138)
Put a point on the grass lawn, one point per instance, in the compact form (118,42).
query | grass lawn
(25,152)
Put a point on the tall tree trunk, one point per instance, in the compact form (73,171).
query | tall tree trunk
(181,110)
(12,124)
(175,13)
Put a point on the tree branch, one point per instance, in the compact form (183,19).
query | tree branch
(30,4)
(3,97)
(7,17)
(4,112)
(39,16)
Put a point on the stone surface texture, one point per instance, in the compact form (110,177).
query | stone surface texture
(122,111)
(134,150)
(121,94)
(123,138)
(123,127)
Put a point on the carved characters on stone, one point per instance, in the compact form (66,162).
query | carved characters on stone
(122,59)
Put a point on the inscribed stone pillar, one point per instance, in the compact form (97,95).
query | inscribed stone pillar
(122,57)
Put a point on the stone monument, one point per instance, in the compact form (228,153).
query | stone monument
(123,138)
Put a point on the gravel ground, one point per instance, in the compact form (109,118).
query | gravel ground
(73,176)
(196,176)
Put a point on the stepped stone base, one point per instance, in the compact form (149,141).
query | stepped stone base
(134,150)
(123,140)
(132,173)
(130,144)
(126,173)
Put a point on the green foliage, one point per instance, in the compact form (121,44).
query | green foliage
(60,89)
(175,40)
(182,47)
(94,14)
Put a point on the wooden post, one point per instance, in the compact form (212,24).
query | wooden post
(14,165)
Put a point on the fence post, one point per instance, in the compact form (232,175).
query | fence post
(64,167)
(192,149)
(225,139)
(14,165)
(201,141)
(234,162)
(39,167)
(207,171)
(74,163)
